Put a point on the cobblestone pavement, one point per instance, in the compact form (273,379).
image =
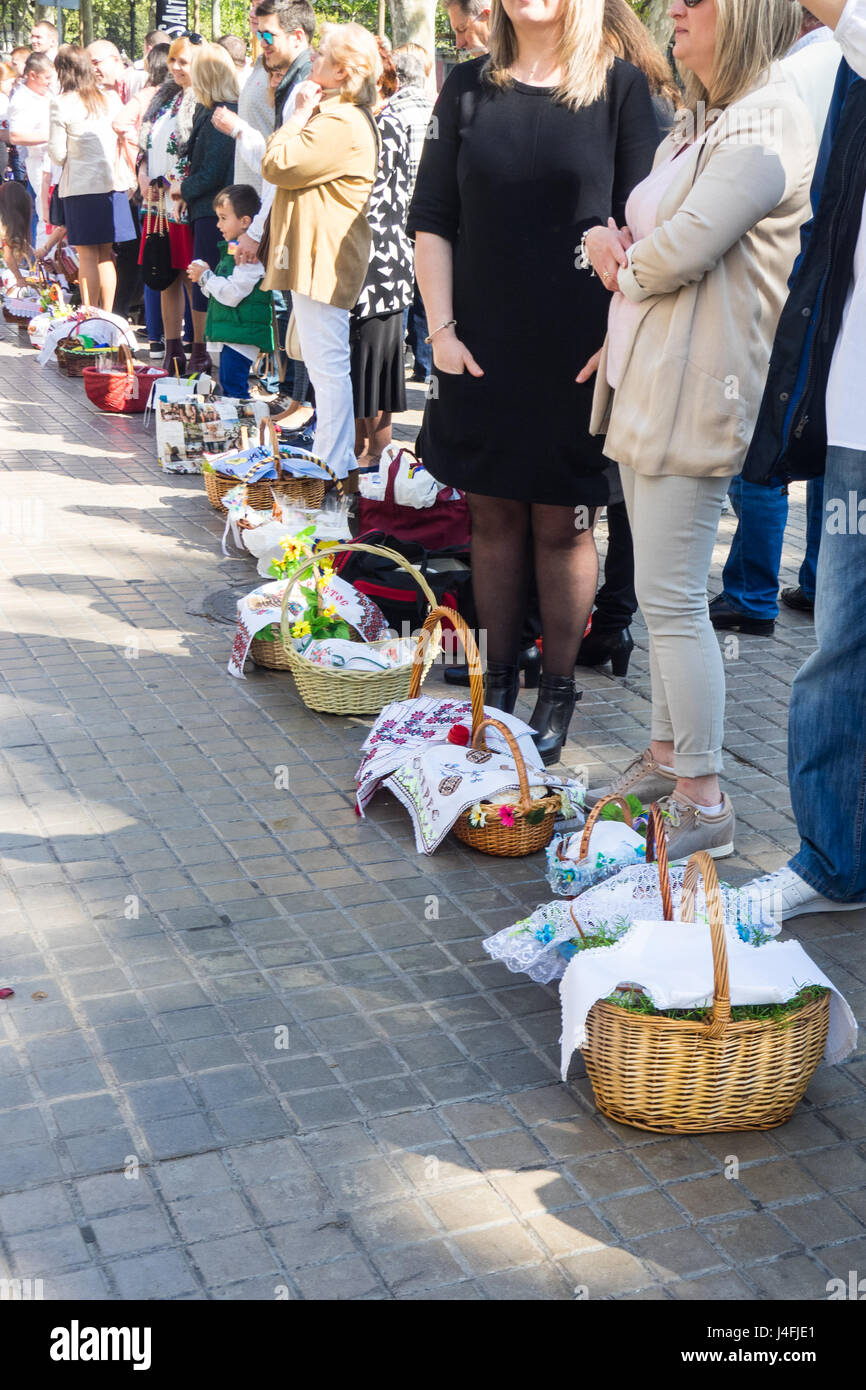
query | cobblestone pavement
(245,1057)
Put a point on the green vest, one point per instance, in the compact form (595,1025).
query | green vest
(250,322)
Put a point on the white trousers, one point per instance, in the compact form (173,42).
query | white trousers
(674,522)
(323,331)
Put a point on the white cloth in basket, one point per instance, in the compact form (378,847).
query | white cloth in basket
(406,725)
(540,945)
(262,607)
(673,963)
(104,328)
(442,781)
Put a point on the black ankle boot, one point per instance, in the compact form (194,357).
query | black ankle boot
(552,716)
(529,663)
(605,645)
(501,685)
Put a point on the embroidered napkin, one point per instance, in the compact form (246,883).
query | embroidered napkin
(406,725)
(442,781)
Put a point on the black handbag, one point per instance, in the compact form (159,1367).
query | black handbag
(157,271)
(447,571)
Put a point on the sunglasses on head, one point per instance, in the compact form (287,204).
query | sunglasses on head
(194,39)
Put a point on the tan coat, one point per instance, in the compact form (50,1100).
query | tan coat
(319,237)
(711,281)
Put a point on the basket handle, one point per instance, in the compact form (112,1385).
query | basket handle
(701,866)
(591,820)
(478,741)
(372,550)
(125,357)
(657,846)
(580,930)
(476,679)
(266,423)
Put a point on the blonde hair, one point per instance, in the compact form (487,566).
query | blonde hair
(176,48)
(213,75)
(584,55)
(750,35)
(350,46)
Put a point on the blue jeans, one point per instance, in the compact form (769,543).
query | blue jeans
(235,374)
(153,314)
(415,330)
(827,719)
(751,573)
(814,527)
(34,216)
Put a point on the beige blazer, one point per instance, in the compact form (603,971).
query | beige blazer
(711,281)
(319,236)
(87,147)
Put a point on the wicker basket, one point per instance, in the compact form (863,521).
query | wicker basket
(356,692)
(672,1076)
(306,492)
(523,837)
(656,849)
(274,656)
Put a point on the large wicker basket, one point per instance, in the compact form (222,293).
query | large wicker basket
(306,492)
(533,820)
(678,1077)
(356,692)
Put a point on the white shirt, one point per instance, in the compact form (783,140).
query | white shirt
(230,290)
(846,399)
(28,114)
(812,69)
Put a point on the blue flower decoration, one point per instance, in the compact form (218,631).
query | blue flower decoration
(545,934)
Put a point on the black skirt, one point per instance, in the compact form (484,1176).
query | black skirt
(378,376)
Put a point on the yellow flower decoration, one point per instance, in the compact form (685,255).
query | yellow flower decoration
(301,628)
(329,612)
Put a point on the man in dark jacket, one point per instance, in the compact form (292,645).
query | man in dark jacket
(813,420)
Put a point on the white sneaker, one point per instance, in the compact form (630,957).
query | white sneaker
(785,894)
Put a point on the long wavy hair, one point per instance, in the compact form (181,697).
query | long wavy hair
(631,39)
(584,55)
(75,74)
(750,35)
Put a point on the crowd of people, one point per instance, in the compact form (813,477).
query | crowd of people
(632,284)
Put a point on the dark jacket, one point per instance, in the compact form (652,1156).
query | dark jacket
(790,438)
(211,158)
(298,72)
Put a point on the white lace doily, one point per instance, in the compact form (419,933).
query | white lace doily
(541,945)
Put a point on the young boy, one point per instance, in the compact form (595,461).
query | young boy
(239,315)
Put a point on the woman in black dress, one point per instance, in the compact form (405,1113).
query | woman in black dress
(526,150)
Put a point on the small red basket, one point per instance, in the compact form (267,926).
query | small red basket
(124,388)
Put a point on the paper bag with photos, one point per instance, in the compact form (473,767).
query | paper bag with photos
(191,430)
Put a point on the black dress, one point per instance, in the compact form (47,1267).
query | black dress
(512,179)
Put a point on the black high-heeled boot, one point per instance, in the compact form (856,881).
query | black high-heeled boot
(603,645)
(551,717)
(529,664)
(501,685)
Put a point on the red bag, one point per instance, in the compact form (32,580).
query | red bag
(443,525)
(125,388)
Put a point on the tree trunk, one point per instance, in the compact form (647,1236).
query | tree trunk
(86,22)
(654,14)
(414,21)
(216,20)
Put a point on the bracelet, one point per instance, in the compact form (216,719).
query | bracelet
(450,324)
(581,260)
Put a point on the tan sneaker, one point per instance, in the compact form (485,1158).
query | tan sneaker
(689,828)
(642,778)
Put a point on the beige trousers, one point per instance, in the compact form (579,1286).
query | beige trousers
(674,522)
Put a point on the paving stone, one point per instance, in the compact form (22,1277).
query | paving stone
(164,1274)
(603,1272)
(348,1278)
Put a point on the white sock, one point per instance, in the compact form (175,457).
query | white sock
(662,768)
(713,810)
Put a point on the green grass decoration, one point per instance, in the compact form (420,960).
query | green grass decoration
(636,1002)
